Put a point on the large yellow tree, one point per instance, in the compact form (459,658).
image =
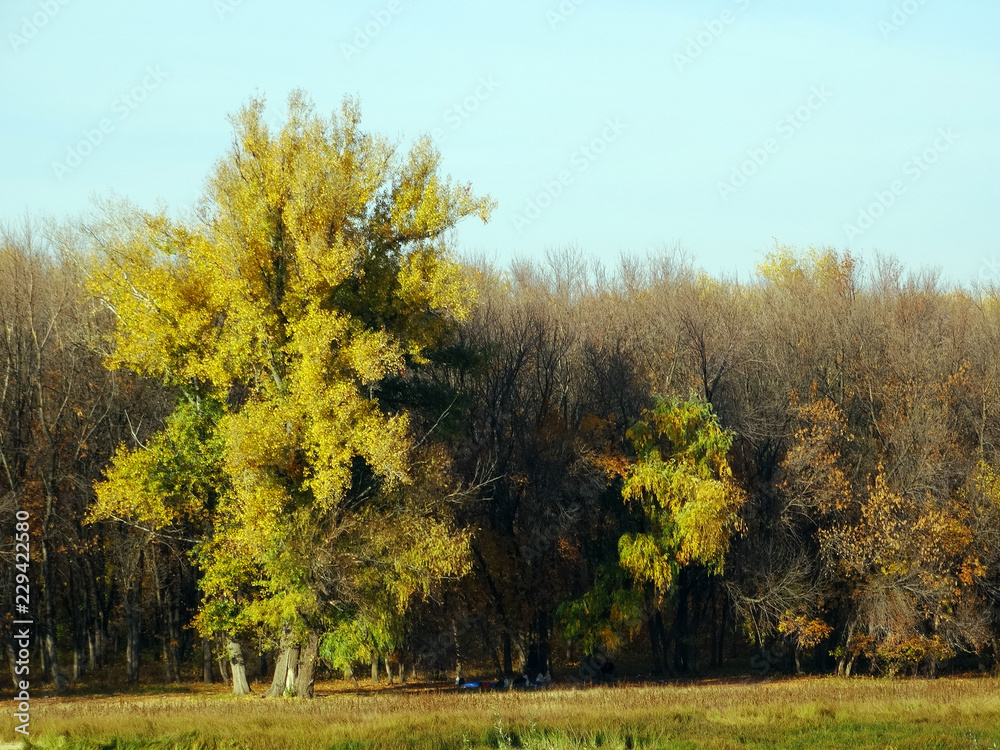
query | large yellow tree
(317,269)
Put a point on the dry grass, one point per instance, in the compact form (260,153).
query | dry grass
(811,712)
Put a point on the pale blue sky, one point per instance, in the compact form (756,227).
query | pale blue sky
(533,89)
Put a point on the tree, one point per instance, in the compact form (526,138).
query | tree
(538,423)
(61,416)
(318,270)
(682,483)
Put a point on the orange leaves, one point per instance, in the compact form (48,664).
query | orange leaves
(814,469)
(922,546)
(903,652)
(806,632)
(606,455)
(970,570)
(612,464)
(902,545)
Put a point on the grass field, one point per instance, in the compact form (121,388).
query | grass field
(799,713)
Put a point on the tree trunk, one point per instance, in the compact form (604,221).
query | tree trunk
(174,636)
(720,646)
(100,640)
(133,628)
(12,658)
(654,645)
(168,651)
(206,661)
(43,655)
(490,645)
(95,654)
(283,681)
(545,638)
(78,659)
(49,627)
(682,647)
(77,613)
(666,638)
(77,609)
(458,653)
(236,663)
(165,609)
(715,626)
(306,677)
(508,668)
(224,670)
(374,669)
(660,644)
(845,662)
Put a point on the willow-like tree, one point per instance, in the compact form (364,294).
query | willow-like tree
(317,270)
(682,483)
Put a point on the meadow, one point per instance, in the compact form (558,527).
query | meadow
(791,713)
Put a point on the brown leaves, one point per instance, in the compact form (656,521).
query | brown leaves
(814,465)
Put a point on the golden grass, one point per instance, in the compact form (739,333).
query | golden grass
(796,713)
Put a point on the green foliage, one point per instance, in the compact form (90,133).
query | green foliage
(598,618)
(176,478)
(358,639)
(682,482)
(318,271)
(906,655)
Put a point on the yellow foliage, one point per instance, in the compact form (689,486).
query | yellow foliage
(318,270)
(826,268)
(807,632)
(683,482)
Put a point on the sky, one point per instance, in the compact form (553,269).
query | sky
(621,127)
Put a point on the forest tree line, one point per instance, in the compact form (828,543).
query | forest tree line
(294,430)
